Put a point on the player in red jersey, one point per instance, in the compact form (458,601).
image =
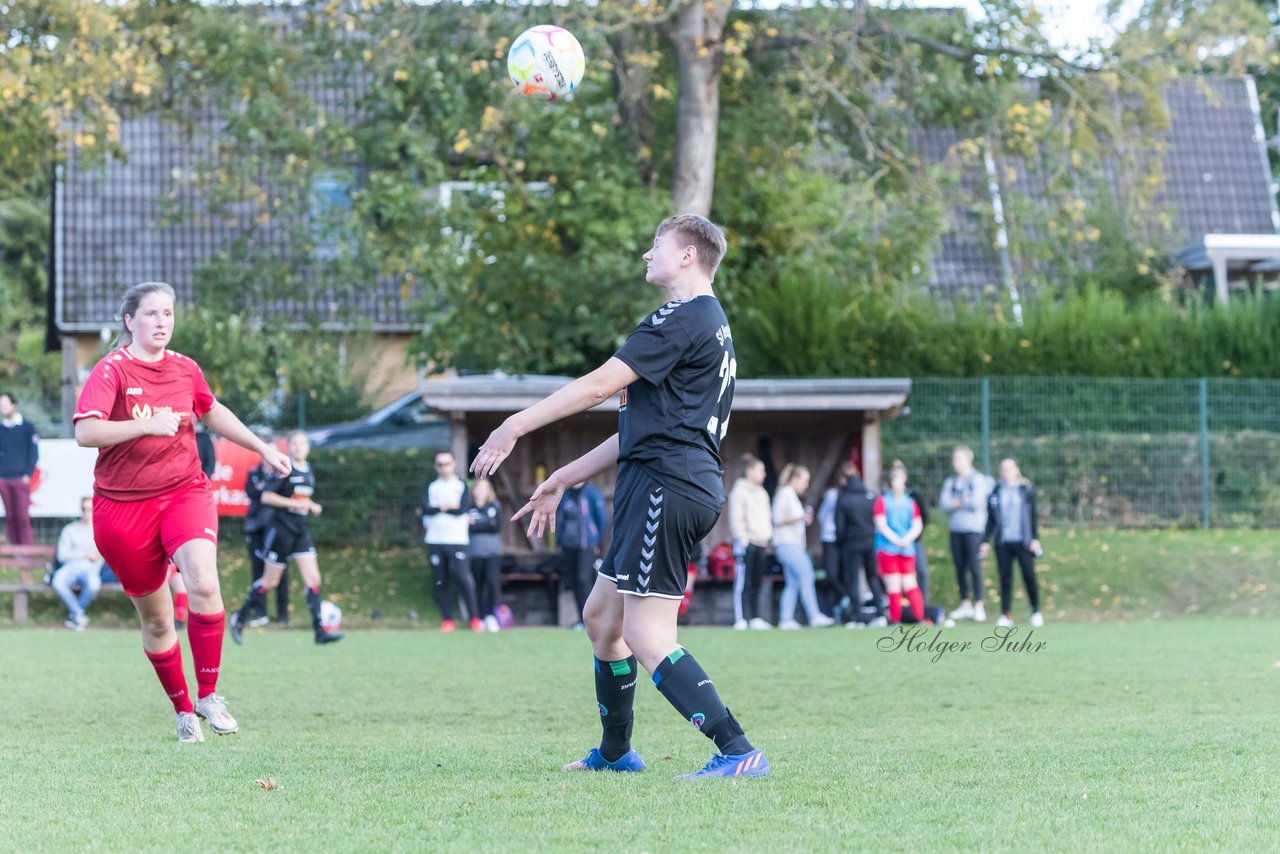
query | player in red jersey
(152,502)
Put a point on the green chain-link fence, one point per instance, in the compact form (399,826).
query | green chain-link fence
(1108,452)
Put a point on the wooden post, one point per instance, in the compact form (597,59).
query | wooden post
(20,599)
(459,440)
(871,464)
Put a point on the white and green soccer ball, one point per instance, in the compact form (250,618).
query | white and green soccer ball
(330,616)
(546,62)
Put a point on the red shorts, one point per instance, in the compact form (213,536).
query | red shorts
(890,564)
(137,538)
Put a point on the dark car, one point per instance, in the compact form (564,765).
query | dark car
(406,423)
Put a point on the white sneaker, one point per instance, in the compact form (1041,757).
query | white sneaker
(259,622)
(740,625)
(189,728)
(491,624)
(759,624)
(1037,620)
(214,710)
(962,612)
(979,613)
(1004,622)
(821,621)
(77,624)
(788,625)
(855,625)
(879,623)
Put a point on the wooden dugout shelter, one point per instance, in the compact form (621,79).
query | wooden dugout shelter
(818,423)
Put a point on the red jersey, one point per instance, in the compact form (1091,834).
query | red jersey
(123,387)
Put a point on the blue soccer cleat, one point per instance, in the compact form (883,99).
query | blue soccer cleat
(751,764)
(593,761)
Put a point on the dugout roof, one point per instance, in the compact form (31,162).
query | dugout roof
(503,394)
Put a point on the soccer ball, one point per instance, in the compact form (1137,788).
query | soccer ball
(330,616)
(546,62)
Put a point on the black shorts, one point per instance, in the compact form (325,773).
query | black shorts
(656,532)
(280,545)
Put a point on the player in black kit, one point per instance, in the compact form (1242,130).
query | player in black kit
(676,374)
(288,537)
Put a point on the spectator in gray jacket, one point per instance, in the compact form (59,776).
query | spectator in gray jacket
(964,498)
(1012,520)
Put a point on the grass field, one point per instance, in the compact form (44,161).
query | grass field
(1142,735)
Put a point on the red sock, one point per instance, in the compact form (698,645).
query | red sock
(204,633)
(917,603)
(895,607)
(168,667)
(181,607)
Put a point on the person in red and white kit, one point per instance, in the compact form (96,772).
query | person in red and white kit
(152,502)
(898,526)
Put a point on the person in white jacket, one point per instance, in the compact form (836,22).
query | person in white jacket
(790,518)
(445,502)
(751,529)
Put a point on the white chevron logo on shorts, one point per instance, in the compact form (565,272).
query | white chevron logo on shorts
(656,498)
(650,540)
(654,512)
(647,555)
(652,526)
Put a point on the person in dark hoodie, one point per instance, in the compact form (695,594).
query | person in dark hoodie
(856,538)
(1012,521)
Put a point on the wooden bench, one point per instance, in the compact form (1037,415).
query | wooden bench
(24,559)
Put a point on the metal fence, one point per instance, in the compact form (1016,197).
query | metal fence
(1104,451)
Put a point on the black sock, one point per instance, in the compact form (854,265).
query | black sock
(687,687)
(615,695)
(313,605)
(253,601)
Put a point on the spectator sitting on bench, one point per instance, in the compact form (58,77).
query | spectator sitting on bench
(78,564)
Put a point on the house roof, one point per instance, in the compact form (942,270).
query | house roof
(1214,159)
(497,393)
(112,225)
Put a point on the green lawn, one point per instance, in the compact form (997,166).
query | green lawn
(1150,734)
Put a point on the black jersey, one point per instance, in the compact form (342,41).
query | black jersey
(673,418)
(298,483)
(258,516)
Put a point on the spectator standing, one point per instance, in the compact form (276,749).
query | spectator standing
(790,546)
(485,549)
(922,554)
(827,540)
(964,498)
(898,526)
(78,563)
(445,502)
(1012,521)
(856,538)
(19,453)
(751,529)
(580,523)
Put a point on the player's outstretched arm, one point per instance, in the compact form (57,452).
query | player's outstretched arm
(578,396)
(541,508)
(225,423)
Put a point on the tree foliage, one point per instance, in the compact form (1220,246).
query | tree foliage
(516,227)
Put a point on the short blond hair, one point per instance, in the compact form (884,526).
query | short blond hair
(700,233)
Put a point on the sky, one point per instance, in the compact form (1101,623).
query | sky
(1069,23)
